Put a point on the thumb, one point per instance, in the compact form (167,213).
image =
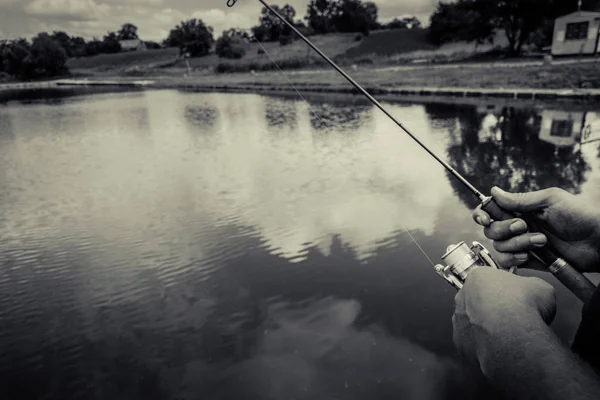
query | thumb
(523,202)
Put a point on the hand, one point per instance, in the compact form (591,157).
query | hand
(495,305)
(571,227)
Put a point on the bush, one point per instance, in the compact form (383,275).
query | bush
(292,63)
(152,45)
(44,57)
(18,61)
(49,58)
(193,37)
(284,40)
(230,45)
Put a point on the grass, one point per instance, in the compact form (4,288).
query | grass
(343,46)
(571,76)
(383,48)
(391,42)
(124,60)
(295,55)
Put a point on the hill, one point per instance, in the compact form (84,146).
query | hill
(123,60)
(386,47)
(391,42)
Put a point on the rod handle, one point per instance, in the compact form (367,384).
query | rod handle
(575,281)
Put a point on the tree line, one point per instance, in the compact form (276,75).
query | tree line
(523,21)
(194,38)
(46,54)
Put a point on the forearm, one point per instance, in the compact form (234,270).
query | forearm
(529,362)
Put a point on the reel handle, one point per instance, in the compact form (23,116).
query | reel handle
(575,281)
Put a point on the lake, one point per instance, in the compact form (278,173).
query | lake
(182,245)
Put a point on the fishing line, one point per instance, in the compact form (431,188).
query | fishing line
(581,286)
(326,127)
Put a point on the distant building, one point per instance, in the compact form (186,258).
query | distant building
(133,45)
(561,128)
(576,33)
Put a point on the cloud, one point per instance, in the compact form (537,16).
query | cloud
(152,3)
(155,18)
(72,10)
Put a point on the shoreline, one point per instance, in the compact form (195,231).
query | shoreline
(273,84)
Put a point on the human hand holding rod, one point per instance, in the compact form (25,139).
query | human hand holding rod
(554,217)
(545,225)
(501,321)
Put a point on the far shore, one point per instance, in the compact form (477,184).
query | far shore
(577,80)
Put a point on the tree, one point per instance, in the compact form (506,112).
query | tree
(512,157)
(192,37)
(519,18)
(465,20)
(523,21)
(17,59)
(93,47)
(271,28)
(325,16)
(110,44)
(404,23)
(319,15)
(152,45)
(3,48)
(48,56)
(128,32)
(231,45)
(355,16)
(44,57)
(64,40)
(78,46)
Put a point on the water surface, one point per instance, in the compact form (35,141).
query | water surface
(178,245)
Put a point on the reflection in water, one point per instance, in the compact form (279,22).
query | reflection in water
(162,245)
(281,114)
(340,116)
(520,150)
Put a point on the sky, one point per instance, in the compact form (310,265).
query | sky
(154,18)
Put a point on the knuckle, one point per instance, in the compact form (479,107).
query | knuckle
(519,198)
(521,243)
(494,231)
(543,288)
(556,193)
(506,260)
(500,246)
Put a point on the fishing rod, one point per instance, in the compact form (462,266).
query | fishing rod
(462,259)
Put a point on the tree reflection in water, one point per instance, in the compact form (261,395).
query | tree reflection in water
(342,116)
(504,149)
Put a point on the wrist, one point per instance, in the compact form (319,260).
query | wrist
(509,335)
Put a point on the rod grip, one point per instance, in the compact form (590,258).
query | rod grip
(575,281)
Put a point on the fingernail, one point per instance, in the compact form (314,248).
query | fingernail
(497,190)
(518,227)
(539,240)
(478,220)
(522,256)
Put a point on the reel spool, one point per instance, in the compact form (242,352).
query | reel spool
(461,259)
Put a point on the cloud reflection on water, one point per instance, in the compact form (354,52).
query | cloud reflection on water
(316,352)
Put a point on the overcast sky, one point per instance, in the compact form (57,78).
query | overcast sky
(154,18)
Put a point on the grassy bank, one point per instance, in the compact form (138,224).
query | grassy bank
(486,76)
(379,48)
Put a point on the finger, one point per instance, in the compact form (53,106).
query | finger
(481,217)
(525,202)
(509,260)
(521,243)
(504,230)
